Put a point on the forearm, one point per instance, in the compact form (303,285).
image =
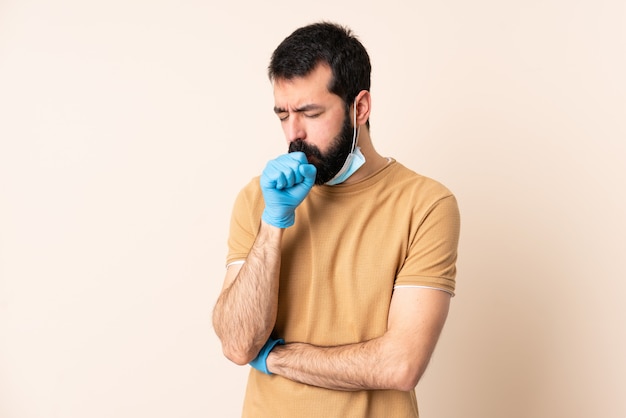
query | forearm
(396,360)
(371,365)
(245,312)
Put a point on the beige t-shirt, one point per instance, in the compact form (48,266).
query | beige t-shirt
(350,245)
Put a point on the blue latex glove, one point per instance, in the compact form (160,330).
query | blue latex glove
(260,362)
(285,182)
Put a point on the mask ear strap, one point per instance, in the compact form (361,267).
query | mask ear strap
(355,134)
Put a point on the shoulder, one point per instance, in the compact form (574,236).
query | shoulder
(252,187)
(415,185)
(251,191)
(249,200)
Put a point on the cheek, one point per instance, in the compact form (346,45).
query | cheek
(326,133)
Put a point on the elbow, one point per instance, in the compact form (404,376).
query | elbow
(406,376)
(406,384)
(239,351)
(238,356)
(238,359)
(405,365)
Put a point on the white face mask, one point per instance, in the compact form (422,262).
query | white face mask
(354,161)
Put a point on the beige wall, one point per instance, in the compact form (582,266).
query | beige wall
(127,127)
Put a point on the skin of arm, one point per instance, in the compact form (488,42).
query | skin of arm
(396,360)
(245,312)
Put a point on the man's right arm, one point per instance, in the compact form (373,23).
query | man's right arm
(245,311)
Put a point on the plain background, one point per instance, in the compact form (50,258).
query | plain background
(127,127)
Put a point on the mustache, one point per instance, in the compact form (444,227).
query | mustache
(312,153)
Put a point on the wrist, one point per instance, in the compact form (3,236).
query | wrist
(260,362)
(270,232)
(279,221)
(272,360)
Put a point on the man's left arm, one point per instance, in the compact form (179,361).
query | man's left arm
(396,360)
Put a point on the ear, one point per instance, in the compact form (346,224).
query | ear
(363,107)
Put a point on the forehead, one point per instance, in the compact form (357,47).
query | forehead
(312,88)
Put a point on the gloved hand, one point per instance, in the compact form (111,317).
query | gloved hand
(285,182)
(260,362)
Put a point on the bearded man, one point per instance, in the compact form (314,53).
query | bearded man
(341,262)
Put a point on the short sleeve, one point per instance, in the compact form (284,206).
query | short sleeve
(432,255)
(244,222)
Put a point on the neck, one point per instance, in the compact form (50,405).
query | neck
(373,160)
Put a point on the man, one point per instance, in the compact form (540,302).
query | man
(341,262)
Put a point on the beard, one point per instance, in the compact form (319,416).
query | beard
(329,163)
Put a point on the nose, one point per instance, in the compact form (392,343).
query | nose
(294,128)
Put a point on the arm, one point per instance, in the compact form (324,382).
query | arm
(245,311)
(396,360)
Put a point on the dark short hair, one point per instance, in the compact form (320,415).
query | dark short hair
(329,43)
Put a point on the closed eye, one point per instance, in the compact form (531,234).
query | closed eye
(282,114)
(310,111)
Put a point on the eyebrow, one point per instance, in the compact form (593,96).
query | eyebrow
(303,108)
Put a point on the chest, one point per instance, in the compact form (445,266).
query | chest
(338,268)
